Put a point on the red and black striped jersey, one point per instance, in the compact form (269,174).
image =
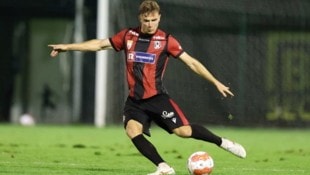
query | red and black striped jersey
(146,59)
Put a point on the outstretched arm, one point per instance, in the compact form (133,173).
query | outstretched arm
(201,70)
(91,45)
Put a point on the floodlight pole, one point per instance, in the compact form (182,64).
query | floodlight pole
(77,61)
(101,90)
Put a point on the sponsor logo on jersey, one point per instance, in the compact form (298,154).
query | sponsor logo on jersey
(144,40)
(141,57)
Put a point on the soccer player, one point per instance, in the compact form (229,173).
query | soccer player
(147,49)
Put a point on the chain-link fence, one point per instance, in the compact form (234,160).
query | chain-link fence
(261,49)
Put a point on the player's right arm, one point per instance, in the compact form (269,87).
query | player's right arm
(201,70)
(90,45)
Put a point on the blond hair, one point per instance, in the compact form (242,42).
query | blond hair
(148,6)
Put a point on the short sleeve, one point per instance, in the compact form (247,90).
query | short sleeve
(117,40)
(174,48)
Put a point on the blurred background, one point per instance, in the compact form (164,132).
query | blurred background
(260,49)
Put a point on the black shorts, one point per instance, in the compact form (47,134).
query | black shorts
(161,109)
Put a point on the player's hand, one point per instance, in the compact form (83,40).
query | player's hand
(57,48)
(224,90)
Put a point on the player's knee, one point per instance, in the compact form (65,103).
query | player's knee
(133,129)
(183,131)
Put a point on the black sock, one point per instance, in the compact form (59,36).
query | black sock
(147,149)
(201,133)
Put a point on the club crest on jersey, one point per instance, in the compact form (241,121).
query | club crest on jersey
(141,57)
(157,45)
(129,44)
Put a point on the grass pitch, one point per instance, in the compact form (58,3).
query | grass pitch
(86,150)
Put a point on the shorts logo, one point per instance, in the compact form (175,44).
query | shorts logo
(166,114)
(174,120)
(141,57)
(169,115)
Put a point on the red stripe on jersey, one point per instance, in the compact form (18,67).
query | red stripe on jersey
(130,79)
(180,112)
(144,71)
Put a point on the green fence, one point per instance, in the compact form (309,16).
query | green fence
(261,49)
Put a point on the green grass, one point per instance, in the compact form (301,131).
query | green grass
(86,150)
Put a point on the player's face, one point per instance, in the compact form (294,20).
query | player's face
(149,22)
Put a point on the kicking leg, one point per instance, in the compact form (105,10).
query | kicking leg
(201,133)
(198,132)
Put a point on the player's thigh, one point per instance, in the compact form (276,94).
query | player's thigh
(133,128)
(136,121)
(167,114)
(183,131)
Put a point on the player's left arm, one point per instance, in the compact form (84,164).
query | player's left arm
(201,70)
(90,45)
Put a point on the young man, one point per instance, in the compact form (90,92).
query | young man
(147,49)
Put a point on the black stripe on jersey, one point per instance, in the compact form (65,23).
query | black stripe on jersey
(142,45)
(160,69)
(138,88)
